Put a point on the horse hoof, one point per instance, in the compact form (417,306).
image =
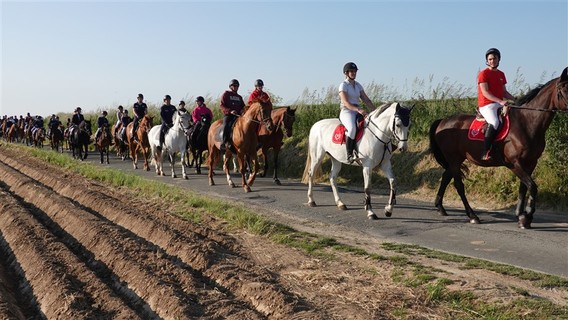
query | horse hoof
(186,177)
(311,204)
(277,182)
(474,220)
(388,214)
(372,217)
(342,207)
(247,189)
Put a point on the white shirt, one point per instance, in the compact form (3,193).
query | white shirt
(352,90)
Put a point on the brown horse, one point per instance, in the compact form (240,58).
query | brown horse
(142,144)
(103,143)
(12,133)
(120,141)
(245,142)
(39,137)
(519,150)
(283,119)
(56,137)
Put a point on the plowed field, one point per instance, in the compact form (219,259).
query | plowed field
(71,248)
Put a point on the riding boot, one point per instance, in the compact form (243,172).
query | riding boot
(490,134)
(350,145)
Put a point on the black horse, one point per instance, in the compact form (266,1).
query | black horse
(80,139)
(197,142)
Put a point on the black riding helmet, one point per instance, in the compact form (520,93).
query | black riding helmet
(200,98)
(349,66)
(493,51)
(234,82)
(259,83)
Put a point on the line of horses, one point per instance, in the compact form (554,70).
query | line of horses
(383,131)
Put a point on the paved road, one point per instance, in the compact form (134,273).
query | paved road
(544,248)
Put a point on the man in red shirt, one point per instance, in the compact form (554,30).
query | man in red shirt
(232,105)
(257,93)
(491,95)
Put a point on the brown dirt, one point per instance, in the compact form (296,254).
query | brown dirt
(72,248)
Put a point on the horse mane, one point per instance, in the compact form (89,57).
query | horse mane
(531,94)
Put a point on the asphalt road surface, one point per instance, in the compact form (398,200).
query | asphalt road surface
(543,248)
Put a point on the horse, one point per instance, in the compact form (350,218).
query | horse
(28,132)
(175,140)
(245,142)
(519,150)
(12,133)
(283,119)
(384,130)
(56,137)
(80,139)
(39,137)
(142,144)
(21,127)
(197,143)
(103,143)
(120,142)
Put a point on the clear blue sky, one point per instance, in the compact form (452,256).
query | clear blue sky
(99,54)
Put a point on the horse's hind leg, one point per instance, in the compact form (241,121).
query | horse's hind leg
(446,178)
(275,177)
(335,168)
(387,169)
(458,184)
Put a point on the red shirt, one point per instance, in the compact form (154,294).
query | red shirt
(199,111)
(258,95)
(495,80)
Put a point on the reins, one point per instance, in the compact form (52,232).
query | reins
(537,109)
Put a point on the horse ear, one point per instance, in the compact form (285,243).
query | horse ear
(564,76)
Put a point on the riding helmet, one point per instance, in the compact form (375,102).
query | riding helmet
(105,113)
(234,82)
(493,51)
(200,98)
(78,109)
(259,83)
(167,97)
(350,66)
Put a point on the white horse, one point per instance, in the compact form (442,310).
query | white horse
(174,141)
(385,130)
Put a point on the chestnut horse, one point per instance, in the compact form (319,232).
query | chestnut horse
(143,144)
(245,142)
(283,119)
(519,150)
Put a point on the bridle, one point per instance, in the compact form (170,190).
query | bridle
(394,134)
(560,96)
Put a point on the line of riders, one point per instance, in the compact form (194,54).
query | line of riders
(232,105)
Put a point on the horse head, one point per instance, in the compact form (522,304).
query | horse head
(183,120)
(262,112)
(401,125)
(288,121)
(562,90)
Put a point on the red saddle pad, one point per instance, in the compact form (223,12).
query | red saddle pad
(339,133)
(476,131)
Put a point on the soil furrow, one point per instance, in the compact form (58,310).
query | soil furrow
(168,289)
(240,277)
(74,291)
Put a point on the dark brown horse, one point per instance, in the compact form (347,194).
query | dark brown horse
(39,137)
(283,119)
(103,143)
(142,144)
(56,137)
(245,142)
(519,150)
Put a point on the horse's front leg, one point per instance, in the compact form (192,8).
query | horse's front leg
(275,177)
(183,173)
(525,214)
(252,177)
(335,168)
(367,188)
(387,170)
(226,160)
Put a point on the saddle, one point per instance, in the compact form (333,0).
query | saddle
(478,127)
(339,132)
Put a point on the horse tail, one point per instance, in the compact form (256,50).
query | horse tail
(434,147)
(307,167)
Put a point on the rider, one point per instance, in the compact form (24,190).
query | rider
(53,123)
(76,120)
(102,124)
(167,114)
(350,91)
(491,95)
(232,105)
(38,123)
(257,93)
(200,110)
(125,120)
(181,106)
(119,114)
(140,109)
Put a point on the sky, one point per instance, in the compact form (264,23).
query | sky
(57,55)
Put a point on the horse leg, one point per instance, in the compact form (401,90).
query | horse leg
(275,177)
(252,176)
(366,184)
(335,168)
(387,169)
(227,171)
(446,178)
(263,153)
(198,161)
(211,163)
(107,150)
(525,213)
(172,157)
(458,184)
